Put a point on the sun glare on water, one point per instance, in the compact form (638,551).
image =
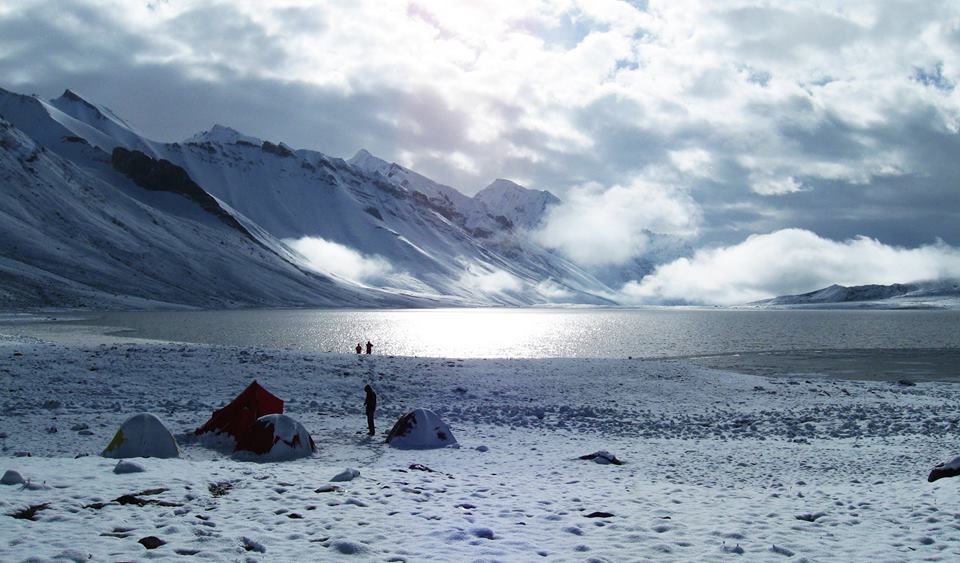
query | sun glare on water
(474,333)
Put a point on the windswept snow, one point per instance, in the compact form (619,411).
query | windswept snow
(716,465)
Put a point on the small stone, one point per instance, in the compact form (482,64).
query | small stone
(348,474)
(252,545)
(485,533)
(151,542)
(421,467)
(602,457)
(125,466)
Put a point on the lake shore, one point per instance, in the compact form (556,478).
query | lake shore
(716,464)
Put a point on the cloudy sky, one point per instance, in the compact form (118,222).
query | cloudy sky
(747,128)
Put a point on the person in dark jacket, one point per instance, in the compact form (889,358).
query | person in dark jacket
(358,348)
(370,405)
(369,347)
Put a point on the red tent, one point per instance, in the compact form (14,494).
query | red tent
(239,416)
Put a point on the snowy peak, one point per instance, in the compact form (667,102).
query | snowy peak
(96,124)
(523,207)
(79,108)
(368,163)
(224,135)
(71,97)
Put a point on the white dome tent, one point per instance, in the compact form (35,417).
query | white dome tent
(421,429)
(142,435)
(275,437)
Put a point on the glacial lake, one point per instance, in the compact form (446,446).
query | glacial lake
(885,344)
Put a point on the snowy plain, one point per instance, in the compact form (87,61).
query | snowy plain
(717,466)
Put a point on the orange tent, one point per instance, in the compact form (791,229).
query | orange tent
(239,416)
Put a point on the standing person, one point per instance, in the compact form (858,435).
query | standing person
(369,347)
(370,405)
(358,348)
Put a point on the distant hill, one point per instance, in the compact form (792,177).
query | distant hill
(939,293)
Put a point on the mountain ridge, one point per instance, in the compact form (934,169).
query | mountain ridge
(440,246)
(908,293)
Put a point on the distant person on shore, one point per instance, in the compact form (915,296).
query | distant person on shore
(370,406)
(359,348)
(369,347)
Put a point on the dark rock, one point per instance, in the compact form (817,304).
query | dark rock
(219,489)
(151,542)
(278,150)
(948,469)
(252,545)
(811,517)
(485,533)
(602,457)
(599,515)
(420,467)
(165,176)
(29,513)
(137,501)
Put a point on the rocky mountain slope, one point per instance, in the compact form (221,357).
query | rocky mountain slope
(267,202)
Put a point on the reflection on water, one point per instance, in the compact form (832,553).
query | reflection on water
(534,333)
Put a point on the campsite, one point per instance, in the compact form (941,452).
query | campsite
(715,465)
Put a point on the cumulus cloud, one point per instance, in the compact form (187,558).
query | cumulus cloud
(794,109)
(598,227)
(489,281)
(333,258)
(789,261)
(553,291)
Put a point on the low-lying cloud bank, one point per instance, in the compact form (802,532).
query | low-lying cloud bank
(479,279)
(333,258)
(597,227)
(788,261)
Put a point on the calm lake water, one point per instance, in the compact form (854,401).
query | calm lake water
(922,344)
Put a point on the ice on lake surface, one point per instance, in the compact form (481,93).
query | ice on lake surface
(847,343)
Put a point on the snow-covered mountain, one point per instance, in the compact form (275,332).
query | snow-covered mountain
(522,207)
(70,238)
(899,294)
(430,243)
(466,212)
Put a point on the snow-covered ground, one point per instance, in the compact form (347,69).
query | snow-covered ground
(718,466)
